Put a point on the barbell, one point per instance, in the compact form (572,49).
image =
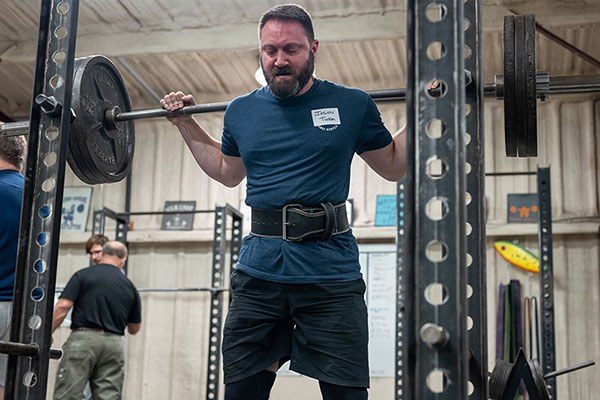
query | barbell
(102,134)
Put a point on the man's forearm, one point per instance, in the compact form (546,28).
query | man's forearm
(400,155)
(58,318)
(205,149)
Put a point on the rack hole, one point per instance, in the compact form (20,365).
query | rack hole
(45,211)
(436,128)
(39,266)
(436,208)
(436,251)
(63,8)
(29,379)
(35,322)
(436,168)
(42,238)
(37,293)
(436,88)
(50,159)
(59,56)
(52,133)
(436,12)
(436,294)
(56,82)
(436,50)
(61,32)
(48,184)
(437,381)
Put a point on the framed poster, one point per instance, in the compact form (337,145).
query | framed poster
(385,211)
(523,208)
(178,222)
(75,208)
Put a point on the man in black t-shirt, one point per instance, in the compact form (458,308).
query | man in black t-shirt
(104,303)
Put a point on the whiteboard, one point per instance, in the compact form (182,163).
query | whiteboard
(378,266)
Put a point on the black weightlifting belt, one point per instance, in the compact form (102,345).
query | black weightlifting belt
(295,223)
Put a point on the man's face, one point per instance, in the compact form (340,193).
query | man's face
(287,58)
(95,253)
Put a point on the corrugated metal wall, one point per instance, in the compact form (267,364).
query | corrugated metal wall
(166,360)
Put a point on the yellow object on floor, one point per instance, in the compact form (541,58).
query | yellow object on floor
(518,256)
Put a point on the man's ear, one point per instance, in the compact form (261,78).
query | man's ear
(315,46)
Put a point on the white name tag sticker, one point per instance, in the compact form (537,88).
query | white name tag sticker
(326,116)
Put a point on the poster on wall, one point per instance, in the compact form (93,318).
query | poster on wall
(522,208)
(178,222)
(75,208)
(385,211)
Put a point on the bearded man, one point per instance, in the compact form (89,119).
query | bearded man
(298,292)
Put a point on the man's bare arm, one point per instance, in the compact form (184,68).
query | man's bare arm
(390,161)
(61,309)
(133,328)
(230,171)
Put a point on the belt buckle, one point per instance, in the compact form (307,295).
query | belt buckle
(285,223)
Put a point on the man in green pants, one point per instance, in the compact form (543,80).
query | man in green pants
(104,303)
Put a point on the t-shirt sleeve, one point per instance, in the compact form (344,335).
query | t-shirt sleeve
(228,145)
(373,134)
(72,290)
(135,313)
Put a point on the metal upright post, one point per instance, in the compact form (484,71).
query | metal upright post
(42,198)
(547,277)
(99,222)
(475,200)
(404,319)
(219,248)
(436,186)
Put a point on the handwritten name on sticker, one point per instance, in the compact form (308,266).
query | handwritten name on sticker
(326,116)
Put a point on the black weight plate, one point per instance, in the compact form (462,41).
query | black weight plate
(80,158)
(75,166)
(538,378)
(520,86)
(499,379)
(531,72)
(101,154)
(510,134)
(77,141)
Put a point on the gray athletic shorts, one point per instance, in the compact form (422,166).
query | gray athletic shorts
(5,316)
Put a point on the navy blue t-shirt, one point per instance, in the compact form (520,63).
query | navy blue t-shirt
(299,151)
(11,197)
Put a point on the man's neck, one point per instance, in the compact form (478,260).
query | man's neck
(8,166)
(306,87)
(108,262)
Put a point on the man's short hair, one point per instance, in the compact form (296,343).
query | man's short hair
(289,13)
(93,240)
(13,150)
(115,249)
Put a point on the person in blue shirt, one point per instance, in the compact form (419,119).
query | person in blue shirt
(298,293)
(12,158)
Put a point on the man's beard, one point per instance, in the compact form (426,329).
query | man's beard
(284,88)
